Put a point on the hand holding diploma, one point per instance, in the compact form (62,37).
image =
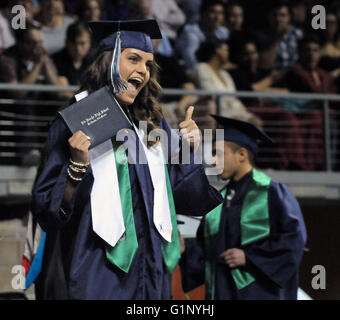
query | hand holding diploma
(79,147)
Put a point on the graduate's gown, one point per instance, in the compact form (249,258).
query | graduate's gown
(75,265)
(273,261)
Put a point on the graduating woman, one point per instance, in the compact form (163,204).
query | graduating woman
(112,221)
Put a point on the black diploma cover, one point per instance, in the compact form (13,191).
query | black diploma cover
(99,116)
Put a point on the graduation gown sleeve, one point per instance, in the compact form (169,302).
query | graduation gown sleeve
(192,192)
(278,256)
(49,188)
(192,262)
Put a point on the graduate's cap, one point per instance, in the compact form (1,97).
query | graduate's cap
(133,33)
(114,35)
(243,133)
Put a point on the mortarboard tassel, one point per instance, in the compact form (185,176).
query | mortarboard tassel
(118,84)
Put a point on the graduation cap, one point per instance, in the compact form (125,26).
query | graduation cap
(114,35)
(243,133)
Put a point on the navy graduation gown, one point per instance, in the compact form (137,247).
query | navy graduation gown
(86,272)
(273,262)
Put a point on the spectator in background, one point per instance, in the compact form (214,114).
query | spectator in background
(249,76)
(141,10)
(89,10)
(307,77)
(282,39)
(169,16)
(74,59)
(299,10)
(191,9)
(6,36)
(210,75)
(234,22)
(28,63)
(211,26)
(173,76)
(330,45)
(282,124)
(238,31)
(330,36)
(234,17)
(54,25)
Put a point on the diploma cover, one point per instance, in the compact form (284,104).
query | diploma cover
(99,116)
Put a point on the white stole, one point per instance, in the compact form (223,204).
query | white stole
(106,209)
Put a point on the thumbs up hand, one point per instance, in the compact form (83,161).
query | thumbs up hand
(189,129)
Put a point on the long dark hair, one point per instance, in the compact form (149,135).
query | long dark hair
(146,106)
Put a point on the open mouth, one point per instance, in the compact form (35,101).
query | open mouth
(136,82)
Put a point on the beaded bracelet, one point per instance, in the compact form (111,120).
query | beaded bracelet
(72,177)
(76,169)
(77,164)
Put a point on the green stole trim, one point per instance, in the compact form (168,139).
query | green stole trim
(211,226)
(123,253)
(254,227)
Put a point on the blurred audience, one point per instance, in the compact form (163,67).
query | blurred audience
(54,24)
(173,76)
(169,16)
(330,45)
(307,77)
(234,16)
(235,21)
(210,75)
(191,9)
(32,8)
(28,63)
(300,11)
(241,45)
(140,10)
(211,26)
(74,59)
(6,36)
(89,10)
(280,38)
(249,75)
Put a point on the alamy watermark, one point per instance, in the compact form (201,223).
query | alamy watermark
(18,281)
(318,20)
(319,17)
(174,149)
(19,20)
(319,280)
